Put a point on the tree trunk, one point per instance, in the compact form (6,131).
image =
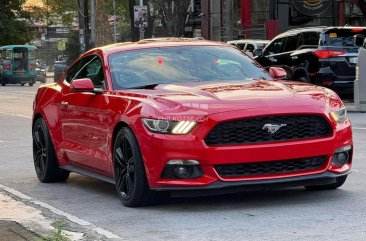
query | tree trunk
(103,30)
(362,5)
(134,30)
(175,13)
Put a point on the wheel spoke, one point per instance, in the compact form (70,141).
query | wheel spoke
(120,181)
(38,154)
(129,185)
(37,162)
(42,162)
(123,184)
(131,166)
(37,139)
(119,157)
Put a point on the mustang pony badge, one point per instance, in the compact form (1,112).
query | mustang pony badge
(273,128)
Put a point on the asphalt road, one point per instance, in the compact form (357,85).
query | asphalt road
(289,214)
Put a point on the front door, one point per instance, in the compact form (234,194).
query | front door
(85,122)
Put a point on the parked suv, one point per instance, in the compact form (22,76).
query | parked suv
(326,56)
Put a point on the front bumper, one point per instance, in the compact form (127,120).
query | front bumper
(158,149)
(340,78)
(220,187)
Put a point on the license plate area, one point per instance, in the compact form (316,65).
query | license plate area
(18,73)
(353,60)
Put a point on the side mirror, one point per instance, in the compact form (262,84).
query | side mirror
(84,85)
(257,52)
(277,73)
(358,40)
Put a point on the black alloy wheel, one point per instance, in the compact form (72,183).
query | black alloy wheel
(45,161)
(124,168)
(129,171)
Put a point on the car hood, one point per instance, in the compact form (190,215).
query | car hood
(205,98)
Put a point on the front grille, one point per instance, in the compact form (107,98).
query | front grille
(272,167)
(248,131)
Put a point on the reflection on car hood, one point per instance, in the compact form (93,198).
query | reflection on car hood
(214,97)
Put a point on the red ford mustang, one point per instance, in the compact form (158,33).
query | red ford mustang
(187,116)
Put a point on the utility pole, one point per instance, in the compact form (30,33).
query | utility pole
(86,25)
(92,23)
(114,21)
(141,27)
(81,26)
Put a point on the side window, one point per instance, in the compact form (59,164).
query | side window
(250,48)
(275,47)
(91,67)
(71,73)
(291,43)
(310,38)
(240,46)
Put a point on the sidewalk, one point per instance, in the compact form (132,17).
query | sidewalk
(13,231)
(20,221)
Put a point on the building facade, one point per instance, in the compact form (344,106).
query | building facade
(225,20)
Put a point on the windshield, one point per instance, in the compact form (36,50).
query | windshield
(341,37)
(171,65)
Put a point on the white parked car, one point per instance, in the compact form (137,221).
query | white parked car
(249,45)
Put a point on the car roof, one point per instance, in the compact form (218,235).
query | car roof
(248,41)
(156,43)
(10,47)
(315,29)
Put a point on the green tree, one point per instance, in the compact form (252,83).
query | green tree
(15,27)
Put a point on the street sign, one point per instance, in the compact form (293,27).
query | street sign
(140,16)
(61,45)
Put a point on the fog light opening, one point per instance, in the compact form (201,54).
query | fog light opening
(182,169)
(341,156)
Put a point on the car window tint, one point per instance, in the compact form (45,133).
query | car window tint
(310,38)
(275,47)
(92,67)
(240,46)
(71,72)
(342,37)
(291,43)
(250,48)
(171,65)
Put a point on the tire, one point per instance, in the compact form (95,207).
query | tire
(31,84)
(21,84)
(339,182)
(45,161)
(129,172)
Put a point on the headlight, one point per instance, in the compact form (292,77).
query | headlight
(339,115)
(169,127)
